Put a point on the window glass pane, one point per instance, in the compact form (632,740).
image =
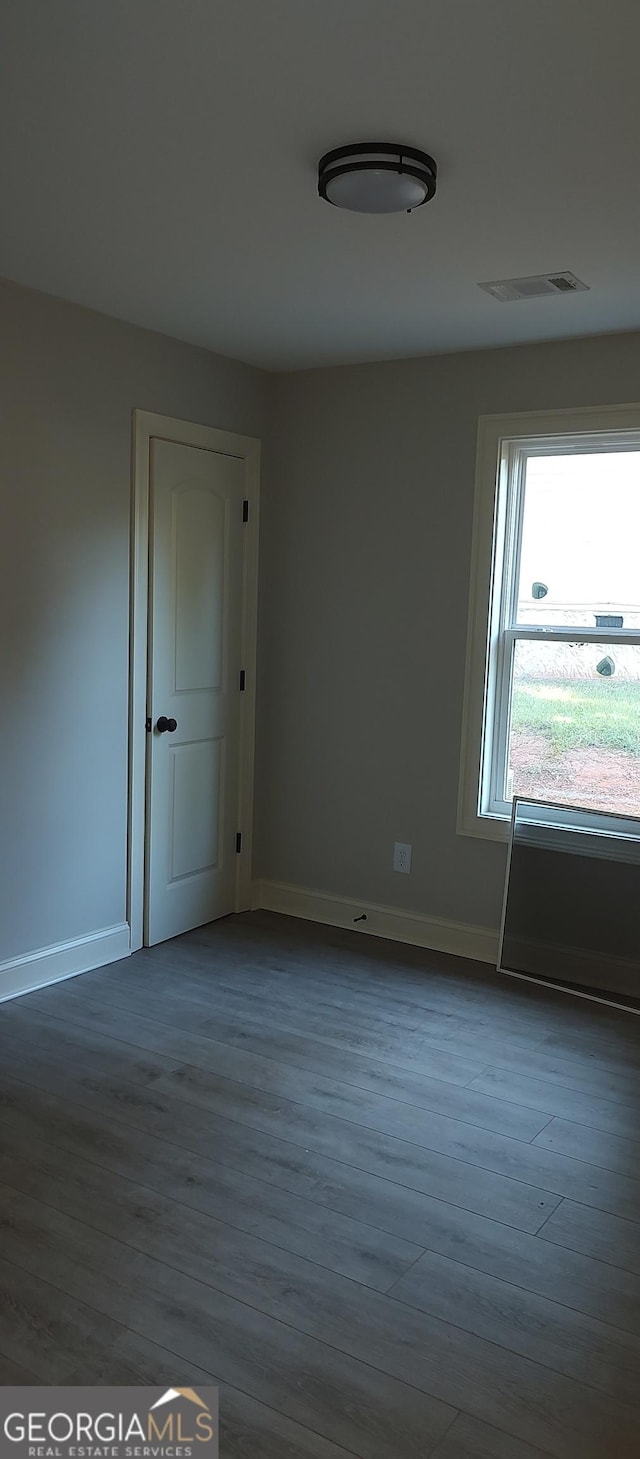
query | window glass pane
(575,725)
(580,561)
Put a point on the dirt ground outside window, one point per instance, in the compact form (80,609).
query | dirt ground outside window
(590,776)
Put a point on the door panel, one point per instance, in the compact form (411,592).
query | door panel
(198,628)
(196,547)
(195,807)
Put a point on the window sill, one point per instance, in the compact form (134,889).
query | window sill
(485,827)
(543,826)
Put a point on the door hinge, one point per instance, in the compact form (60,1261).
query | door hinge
(238,842)
(148,726)
(245,511)
(242,680)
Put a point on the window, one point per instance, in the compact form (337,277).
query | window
(552,698)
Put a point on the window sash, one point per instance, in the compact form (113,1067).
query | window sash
(503,444)
(574,633)
(496,804)
(505,630)
(516,455)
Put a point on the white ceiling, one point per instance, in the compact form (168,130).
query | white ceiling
(158,163)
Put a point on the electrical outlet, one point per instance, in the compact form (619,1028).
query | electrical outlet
(402,857)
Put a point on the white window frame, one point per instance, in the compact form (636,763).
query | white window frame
(504,443)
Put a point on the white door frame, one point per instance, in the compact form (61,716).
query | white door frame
(145,426)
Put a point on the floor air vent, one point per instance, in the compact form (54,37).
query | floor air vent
(535,287)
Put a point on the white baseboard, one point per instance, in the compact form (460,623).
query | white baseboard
(64,960)
(461,938)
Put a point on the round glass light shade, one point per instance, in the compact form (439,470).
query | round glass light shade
(377,177)
(376,190)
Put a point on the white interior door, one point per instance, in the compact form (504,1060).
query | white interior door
(194,686)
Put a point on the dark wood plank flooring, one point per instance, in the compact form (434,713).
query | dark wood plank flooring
(388,1200)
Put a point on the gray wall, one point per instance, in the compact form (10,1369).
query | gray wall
(364,583)
(366,549)
(69,381)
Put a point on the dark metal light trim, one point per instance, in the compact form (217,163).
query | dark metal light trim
(377,156)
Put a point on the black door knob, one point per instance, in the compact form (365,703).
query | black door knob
(165,724)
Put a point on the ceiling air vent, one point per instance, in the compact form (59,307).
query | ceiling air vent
(535,287)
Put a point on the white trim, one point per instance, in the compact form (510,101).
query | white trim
(460,938)
(64,960)
(146,424)
(488,544)
(483,546)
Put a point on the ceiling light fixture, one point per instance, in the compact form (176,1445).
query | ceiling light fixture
(377,177)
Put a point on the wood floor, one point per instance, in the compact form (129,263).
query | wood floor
(388,1200)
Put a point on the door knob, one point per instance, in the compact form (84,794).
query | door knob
(165,724)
